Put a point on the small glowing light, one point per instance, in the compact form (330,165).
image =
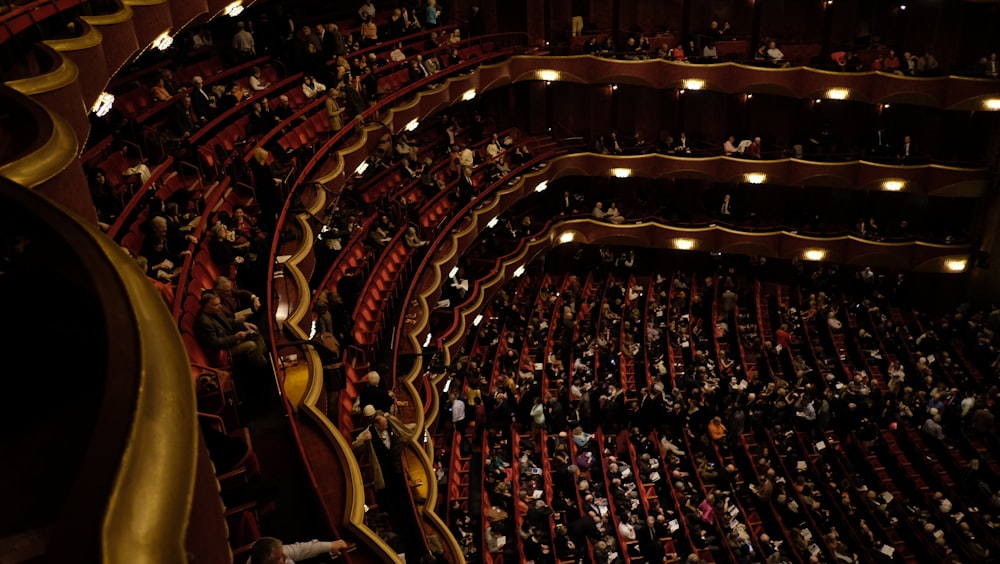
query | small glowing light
(493,223)
(886,106)
(814,254)
(682,91)
(163,41)
(621,172)
(542,186)
(234,9)
(955,265)
(361,168)
(103,104)
(614,87)
(749,96)
(548,75)
(902,6)
(755,177)
(447,385)
(453,272)
(567,237)
(829,2)
(837,93)
(469,94)
(893,185)
(818,100)
(412,125)
(366,508)
(427,341)
(992,104)
(684,244)
(475,322)
(694,84)
(519,271)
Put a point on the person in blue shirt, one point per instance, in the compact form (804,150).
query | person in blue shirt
(433,12)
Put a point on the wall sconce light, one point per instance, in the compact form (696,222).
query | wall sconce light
(234,9)
(684,244)
(542,186)
(468,94)
(163,41)
(755,177)
(567,237)
(893,185)
(548,75)
(103,104)
(694,84)
(837,93)
(956,265)
(814,254)
(621,172)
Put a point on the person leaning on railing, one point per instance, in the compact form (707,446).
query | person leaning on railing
(269,550)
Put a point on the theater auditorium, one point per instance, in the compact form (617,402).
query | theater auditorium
(498,282)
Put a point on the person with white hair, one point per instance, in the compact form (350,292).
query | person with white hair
(374,395)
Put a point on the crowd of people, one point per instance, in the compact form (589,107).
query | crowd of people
(702,48)
(600,438)
(570,442)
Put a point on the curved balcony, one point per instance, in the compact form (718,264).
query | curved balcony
(947,92)
(103,464)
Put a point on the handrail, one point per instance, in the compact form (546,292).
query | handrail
(125,215)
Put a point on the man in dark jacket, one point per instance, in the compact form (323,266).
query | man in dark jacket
(216,332)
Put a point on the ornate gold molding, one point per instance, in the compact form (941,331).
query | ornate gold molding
(88,38)
(64,74)
(50,157)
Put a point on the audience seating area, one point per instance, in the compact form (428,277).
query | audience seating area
(617,410)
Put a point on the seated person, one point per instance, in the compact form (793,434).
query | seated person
(217,332)
(261,120)
(413,241)
(682,144)
(729,147)
(310,87)
(774,54)
(613,215)
(256,82)
(598,211)
(709,51)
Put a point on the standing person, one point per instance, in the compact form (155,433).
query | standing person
(267,190)
(537,419)
(458,417)
(576,18)
(432,14)
(384,441)
(334,111)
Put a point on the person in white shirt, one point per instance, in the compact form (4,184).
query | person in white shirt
(598,211)
(729,147)
(243,40)
(613,215)
(494,147)
(774,54)
(457,413)
(269,550)
(466,157)
(725,206)
(256,84)
(310,87)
